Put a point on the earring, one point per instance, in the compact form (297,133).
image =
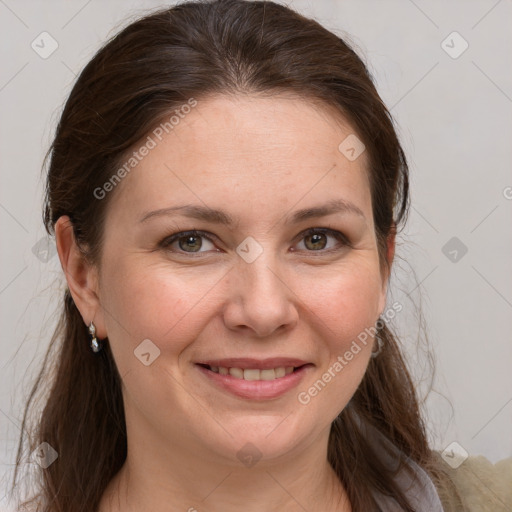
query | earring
(96,347)
(380,345)
(379,341)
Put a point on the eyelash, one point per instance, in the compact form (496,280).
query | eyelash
(166,242)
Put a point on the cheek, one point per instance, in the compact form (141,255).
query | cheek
(151,302)
(346,308)
(345,302)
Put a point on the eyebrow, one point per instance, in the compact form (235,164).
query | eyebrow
(212,215)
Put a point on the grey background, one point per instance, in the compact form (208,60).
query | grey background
(454,119)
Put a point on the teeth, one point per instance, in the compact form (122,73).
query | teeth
(254,373)
(280,372)
(267,374)
(236,372)
(251,374)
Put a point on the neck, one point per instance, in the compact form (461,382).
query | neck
(176,478)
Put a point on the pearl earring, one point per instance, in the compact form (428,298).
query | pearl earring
(96,347)
(379,342)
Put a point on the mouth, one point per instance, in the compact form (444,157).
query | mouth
(256,380)
(252,373)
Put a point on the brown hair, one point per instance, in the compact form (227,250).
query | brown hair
(151,67)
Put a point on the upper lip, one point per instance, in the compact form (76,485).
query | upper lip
(260,364)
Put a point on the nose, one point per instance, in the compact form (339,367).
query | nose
(260,301)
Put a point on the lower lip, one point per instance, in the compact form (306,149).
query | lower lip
(257,389)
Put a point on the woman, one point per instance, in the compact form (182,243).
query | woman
(225,187)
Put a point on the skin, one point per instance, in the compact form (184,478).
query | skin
(260,160)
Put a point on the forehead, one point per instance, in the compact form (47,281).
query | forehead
(239,150)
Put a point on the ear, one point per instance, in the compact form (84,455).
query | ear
(81,276)
(386,270)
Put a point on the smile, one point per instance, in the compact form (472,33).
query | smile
(253,373)
(255,383)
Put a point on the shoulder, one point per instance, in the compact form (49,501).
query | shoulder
(481,486)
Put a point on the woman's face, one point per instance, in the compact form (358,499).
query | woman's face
(252,290)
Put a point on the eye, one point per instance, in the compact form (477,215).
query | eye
(316,239)
(313,240)
(188,242)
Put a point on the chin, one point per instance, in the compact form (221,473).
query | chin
(262,438)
